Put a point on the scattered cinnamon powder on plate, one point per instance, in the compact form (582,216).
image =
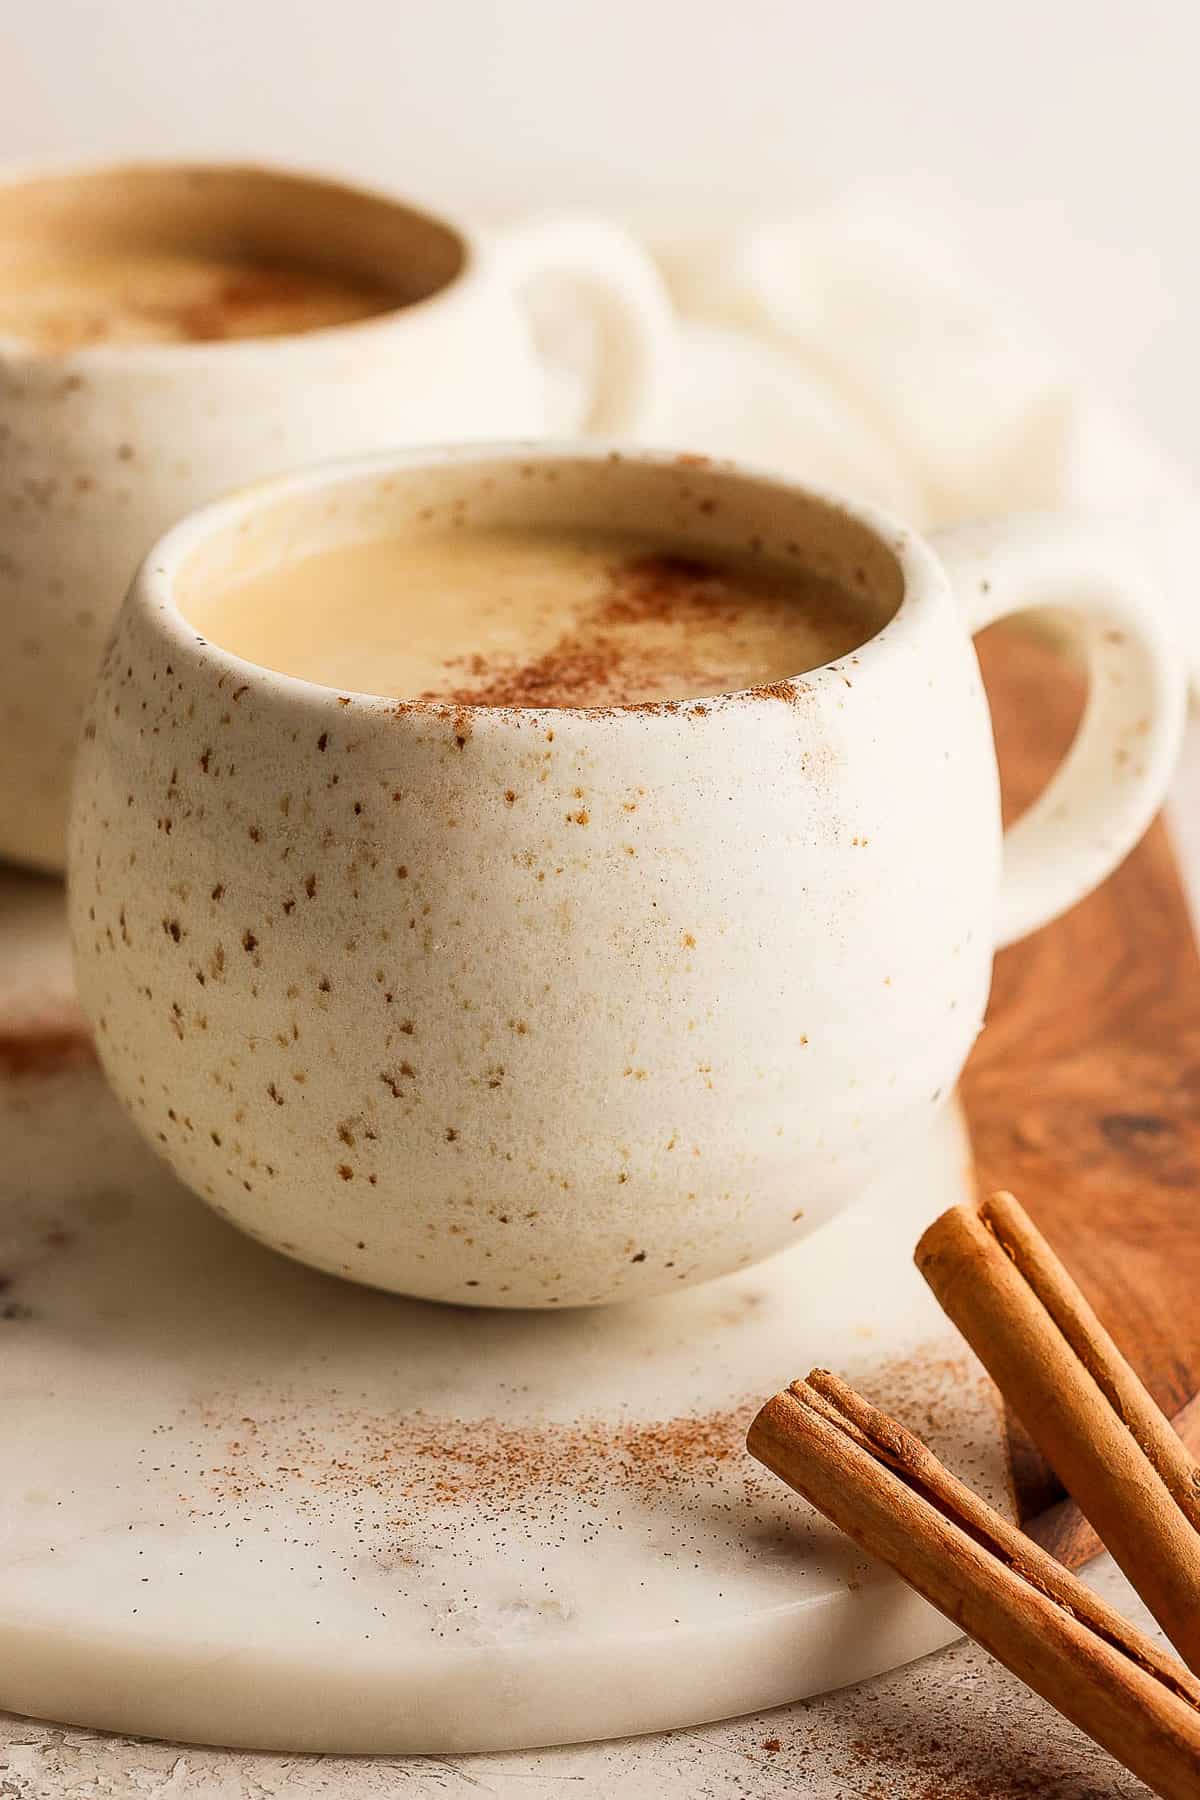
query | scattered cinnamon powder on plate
(310,1452)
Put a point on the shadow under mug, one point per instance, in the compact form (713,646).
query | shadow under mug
(105,446)
(553,1007)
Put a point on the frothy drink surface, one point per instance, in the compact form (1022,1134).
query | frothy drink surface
(58,300)
(533,617)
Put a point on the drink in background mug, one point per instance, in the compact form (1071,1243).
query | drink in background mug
(109,435)
(522,1007)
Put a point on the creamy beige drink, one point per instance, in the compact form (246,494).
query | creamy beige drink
(534,617)
(54,297)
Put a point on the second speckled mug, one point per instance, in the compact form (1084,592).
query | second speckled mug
(104,445)
(391,996)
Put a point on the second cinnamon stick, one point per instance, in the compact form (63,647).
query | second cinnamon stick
(1031,1327)
(887,1491)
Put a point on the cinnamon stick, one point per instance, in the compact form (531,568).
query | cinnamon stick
(1062,1529)
(885,1489)
(1085,1409)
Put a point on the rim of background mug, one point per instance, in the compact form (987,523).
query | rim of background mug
(923,581)
(20,350)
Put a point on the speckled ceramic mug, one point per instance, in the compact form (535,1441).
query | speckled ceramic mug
(547,1008)
(102,448)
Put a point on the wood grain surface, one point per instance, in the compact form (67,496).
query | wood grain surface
(1083,1093)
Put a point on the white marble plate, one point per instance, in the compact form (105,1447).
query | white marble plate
(249,1504)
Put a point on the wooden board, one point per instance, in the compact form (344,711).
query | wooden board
(1083,1093)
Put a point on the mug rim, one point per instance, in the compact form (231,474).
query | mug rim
(153,589)
(153,355)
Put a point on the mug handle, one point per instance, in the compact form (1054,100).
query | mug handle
(631,304)
(1115,776)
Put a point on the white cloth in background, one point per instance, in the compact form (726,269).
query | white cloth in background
(842,348)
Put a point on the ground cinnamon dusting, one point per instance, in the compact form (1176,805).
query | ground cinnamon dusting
(240,301)
(236,308)
(314,1451)
(435,1461)
(968,1732)
(607,656)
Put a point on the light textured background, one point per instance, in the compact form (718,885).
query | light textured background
(1059,143)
